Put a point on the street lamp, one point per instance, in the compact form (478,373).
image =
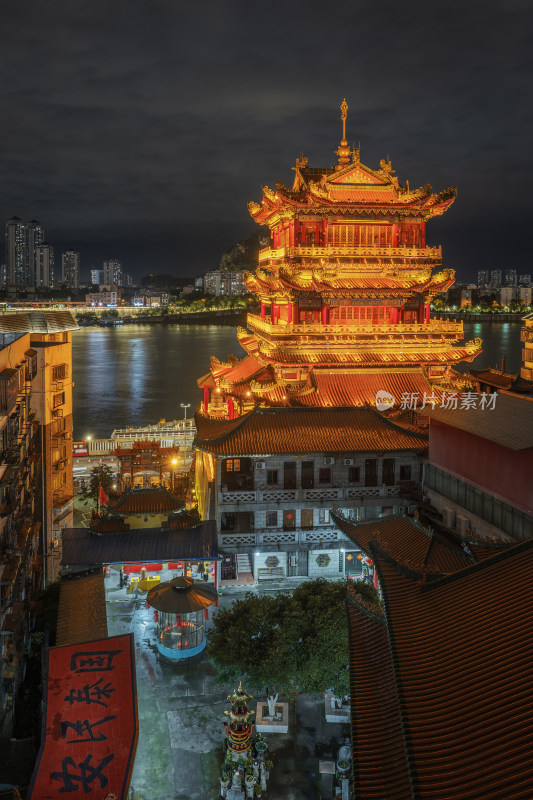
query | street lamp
(174,465)
(185,406)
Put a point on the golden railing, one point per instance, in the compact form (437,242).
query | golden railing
(332,250)
(283,328)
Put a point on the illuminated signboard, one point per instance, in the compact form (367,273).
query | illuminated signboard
(90,721)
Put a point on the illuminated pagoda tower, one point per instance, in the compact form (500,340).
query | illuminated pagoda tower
(345,292)
(239,729)
(295,427)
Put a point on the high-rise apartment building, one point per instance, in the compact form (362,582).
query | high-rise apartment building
(34,239)
(511,277)
(70,269)
(44,266)
(16,252)
(483,278)
(35,477)
(525,279)
(112,269)
(496,277)
(97,276)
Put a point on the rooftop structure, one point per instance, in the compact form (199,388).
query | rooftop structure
(440,681)
(345,292)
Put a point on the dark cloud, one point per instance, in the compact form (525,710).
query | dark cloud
(141,129)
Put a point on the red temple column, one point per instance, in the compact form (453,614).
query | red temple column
(423,234)
(421,312)
(289,312)
(297,229)
(231,408)
(291,234)
(273,313)
(295,313)
(395,235)
(206,399)
(395,316)
(262,309)
(325,310)
(428,308)
(324,234)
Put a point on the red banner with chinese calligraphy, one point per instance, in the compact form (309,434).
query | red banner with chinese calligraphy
(90,725)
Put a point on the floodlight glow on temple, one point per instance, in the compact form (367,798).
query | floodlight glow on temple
(345,291)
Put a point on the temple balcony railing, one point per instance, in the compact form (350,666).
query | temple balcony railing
(331,250)
(284,328)
(275,537)
(322,495)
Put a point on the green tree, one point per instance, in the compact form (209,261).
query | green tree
(288,643)
(99,476)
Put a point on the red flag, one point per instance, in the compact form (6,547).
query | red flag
(104,500)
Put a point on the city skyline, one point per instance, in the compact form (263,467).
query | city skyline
(148,147)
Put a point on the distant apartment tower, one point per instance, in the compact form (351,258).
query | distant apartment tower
(44,266)
(483,278)
(525,279)
(496,277)
(16,252)
(97,276)
(70,268)
(112,269)
(34,239)
(511,277)
(226,284)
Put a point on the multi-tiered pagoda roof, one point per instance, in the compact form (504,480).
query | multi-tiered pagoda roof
(344,292)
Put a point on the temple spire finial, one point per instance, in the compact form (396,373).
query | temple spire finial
(344,112)
(343,151)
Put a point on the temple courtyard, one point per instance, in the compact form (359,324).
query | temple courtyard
(181,731)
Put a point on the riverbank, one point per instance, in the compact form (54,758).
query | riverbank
(120,316)
(482,316)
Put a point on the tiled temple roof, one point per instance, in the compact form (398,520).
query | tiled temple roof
(143,501)
(380,762)
(265,431)
(454,667)
(81,615)
(502,380)
(410,543)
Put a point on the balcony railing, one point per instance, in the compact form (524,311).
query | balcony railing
(275,536)
(296,251)
(317,495)
(284,328)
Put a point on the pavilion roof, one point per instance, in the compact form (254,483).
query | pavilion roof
(502,380)
(266,431)
(461,651)
(143,501)
(352,189)
(382,351)
(454,666)
(142,545)
(81,614)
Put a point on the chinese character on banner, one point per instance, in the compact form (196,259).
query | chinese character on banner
(91,721)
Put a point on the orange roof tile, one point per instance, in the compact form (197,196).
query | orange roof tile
(82,614)
(266,431)
(460,649)
(144,501)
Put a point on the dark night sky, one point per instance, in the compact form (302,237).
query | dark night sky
(140,130)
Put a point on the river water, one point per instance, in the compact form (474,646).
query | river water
(138,374)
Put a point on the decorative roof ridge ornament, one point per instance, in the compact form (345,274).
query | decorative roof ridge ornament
(343,151)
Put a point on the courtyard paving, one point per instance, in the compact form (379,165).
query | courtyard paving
(181,718)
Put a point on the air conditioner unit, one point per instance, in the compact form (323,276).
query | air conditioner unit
(461,524)
(329,460)
(260,465)
(448,517)
(348,462)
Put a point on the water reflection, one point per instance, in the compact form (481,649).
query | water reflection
(136,375)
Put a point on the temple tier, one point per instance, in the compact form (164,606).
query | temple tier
(344,292)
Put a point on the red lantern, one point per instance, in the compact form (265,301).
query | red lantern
(178,620)
(206,614)
(156,615)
